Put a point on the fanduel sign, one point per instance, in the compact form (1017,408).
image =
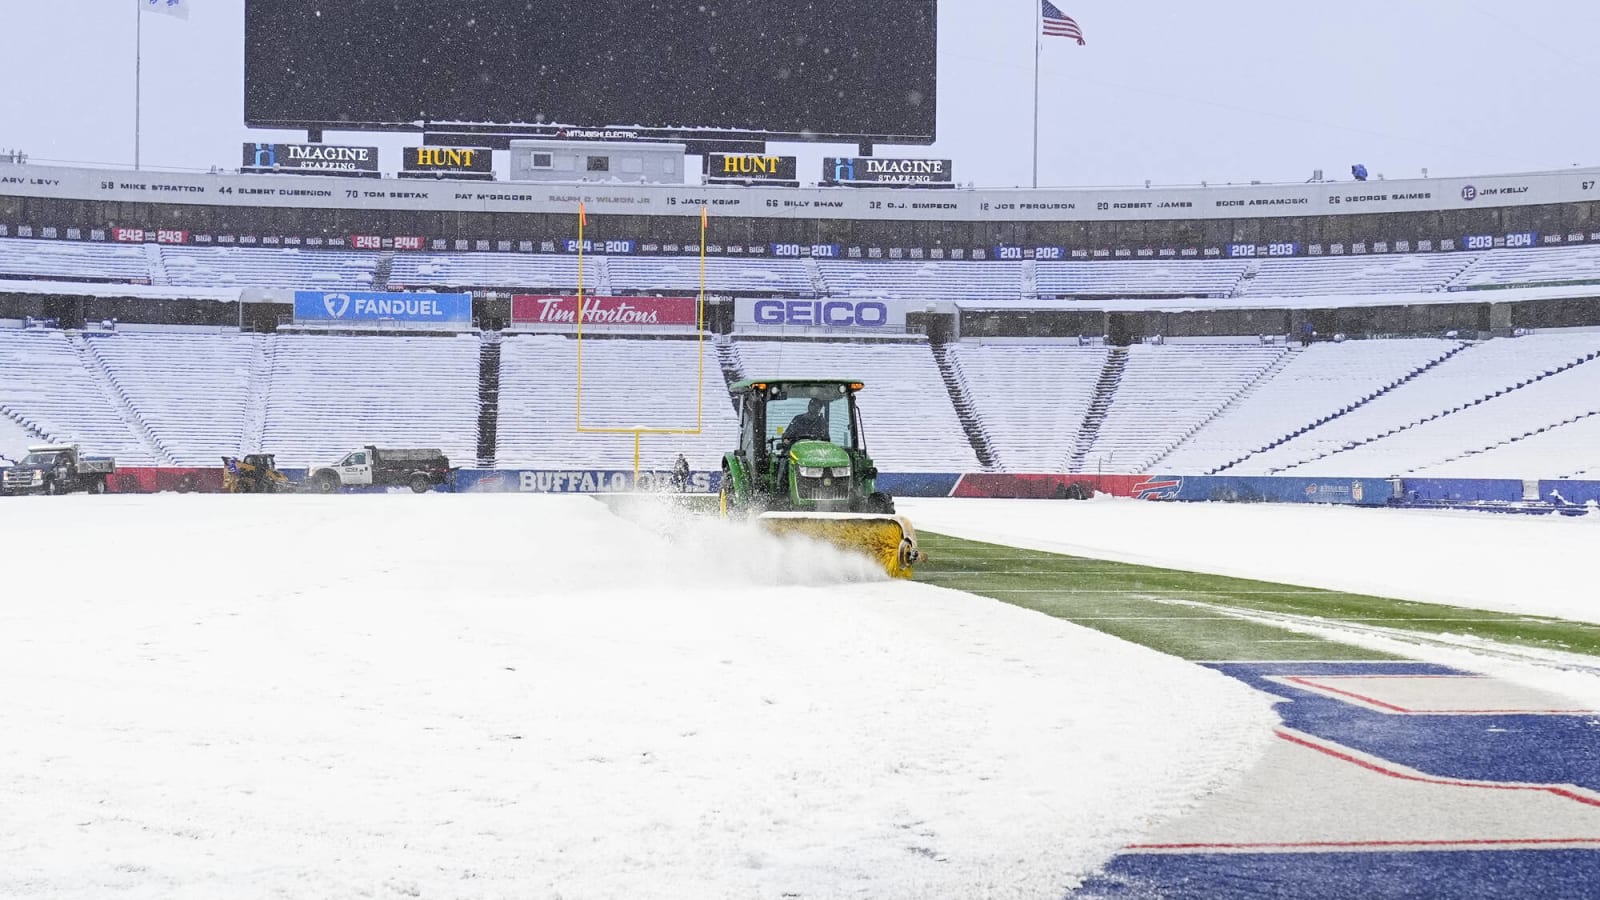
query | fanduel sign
(819,314)
(310,158)
(562,312)
(325,307)
(877,170)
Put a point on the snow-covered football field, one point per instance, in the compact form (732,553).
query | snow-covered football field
(520,696)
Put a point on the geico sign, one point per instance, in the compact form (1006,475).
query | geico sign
(830,313)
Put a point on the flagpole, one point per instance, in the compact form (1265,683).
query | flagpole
(1038,31)
(138,69)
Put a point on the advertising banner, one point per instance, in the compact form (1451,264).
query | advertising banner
(310,159)
(463,162)
(881,171)
(575,481)
(1280,489)
(328,307)
(751,168)
(602,312)
(1048,486)
(889,315)
(153,479)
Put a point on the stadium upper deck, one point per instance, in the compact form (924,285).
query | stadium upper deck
(1224,221)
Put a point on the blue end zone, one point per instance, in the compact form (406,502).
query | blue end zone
(1537,749)
(1546,874)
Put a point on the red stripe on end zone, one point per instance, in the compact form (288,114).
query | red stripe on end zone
(1319,686)
(1429,779)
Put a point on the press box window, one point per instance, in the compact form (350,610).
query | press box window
(542,161)
(599,163)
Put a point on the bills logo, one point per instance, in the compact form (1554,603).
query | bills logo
(1158,489)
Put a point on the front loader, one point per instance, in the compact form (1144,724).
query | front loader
(802,468)
(256,473)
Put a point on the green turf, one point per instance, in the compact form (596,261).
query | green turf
(1144,605)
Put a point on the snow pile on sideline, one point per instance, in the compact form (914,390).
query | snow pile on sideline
(1537,565)
(512,696)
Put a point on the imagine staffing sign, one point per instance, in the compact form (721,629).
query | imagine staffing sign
(310,159)
(882,171)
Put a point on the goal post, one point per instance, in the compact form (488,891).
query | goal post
(638,431)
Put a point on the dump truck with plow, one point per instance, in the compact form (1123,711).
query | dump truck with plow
(802,467)
(58,469)
(417,468)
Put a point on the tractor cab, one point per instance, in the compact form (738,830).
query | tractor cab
(801,447)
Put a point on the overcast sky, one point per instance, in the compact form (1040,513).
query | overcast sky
(1173,91)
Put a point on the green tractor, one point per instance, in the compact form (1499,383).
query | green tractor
(802,467)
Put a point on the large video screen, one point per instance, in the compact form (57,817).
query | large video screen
(861,70)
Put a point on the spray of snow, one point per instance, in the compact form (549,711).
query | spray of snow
(705,550)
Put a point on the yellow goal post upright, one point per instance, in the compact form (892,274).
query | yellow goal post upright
(638,431)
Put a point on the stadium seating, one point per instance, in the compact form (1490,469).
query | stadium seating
(47,385)
(190,389)
(459,271)
(910,422)
(1315,384)
(73,261)
(1567,450)
(1167,392)
(681,276)
(14,439)
(1032,397)
(627,383)
(1478,372)
(918,280)
(1415,273)
(966,281)
(333,393)
(1534,266)
(1139,278)
(1507,407)
(1436,443)
(288,268)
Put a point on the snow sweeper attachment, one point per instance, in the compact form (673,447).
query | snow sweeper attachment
(802,468)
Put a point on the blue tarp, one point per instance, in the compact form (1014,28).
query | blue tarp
(917,484)
(1459,490)
(1574,492)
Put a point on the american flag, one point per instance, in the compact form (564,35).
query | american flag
(1059,23)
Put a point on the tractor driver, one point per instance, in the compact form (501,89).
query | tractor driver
(811,425)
